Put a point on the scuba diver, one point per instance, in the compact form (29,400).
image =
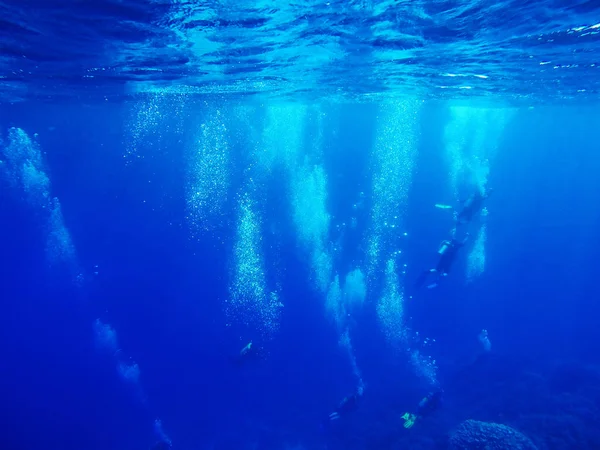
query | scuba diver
(447,252)
(427,405)
(348,404)
(247,353)
(473,205)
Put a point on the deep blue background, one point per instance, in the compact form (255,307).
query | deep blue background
(163,293)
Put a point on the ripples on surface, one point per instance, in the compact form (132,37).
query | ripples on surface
(537,50)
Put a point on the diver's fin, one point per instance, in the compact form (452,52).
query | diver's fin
(409,420)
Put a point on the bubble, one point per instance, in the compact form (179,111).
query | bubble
(130,372)
(26,173)
(152,115)
(334,304)
(355,289)
(322,266)
(282,140)
(24,168)
(309,204)
(160,433)
(249,302)
(346,344)
(276,148)
(393,159)
(59,244)
(79,280)
(343,301)
(282,137)
(36,184)
(208,174)
(485,341)
(471,136)
(312,220)
(390,308)
(424,366)
(106,337)
(390,312)
(476,257)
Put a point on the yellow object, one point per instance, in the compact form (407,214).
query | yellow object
(409,420)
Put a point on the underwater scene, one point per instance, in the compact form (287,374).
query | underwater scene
(303,225)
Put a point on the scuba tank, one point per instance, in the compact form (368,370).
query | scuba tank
(444,247)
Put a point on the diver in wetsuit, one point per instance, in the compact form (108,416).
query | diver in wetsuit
(473,205)
(447,252)
(427,405)
(348,404)
(247,353)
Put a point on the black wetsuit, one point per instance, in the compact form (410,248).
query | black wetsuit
(247,354)
(472,206)
(448,257)
(348,404)
(429,404)
(448,254)
(426,406)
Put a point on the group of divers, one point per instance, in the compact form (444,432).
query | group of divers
(430,278)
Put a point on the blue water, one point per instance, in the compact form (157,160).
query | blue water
(178,179)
